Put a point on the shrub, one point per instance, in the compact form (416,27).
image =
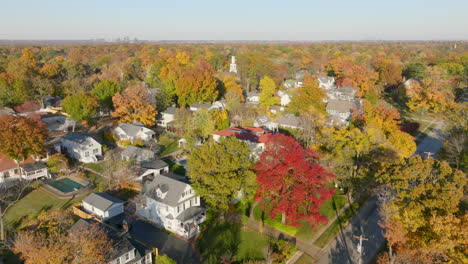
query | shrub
(164,259)
(109,137)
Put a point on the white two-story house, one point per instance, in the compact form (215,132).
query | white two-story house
(173,204)
(125,250)
(103,205)
(132,132)
(80,147)
(29,169)
(167,116)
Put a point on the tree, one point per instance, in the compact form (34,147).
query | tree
(424,203)
(57,163)
(291,181)
(182,121)
(164,259)
(220,118)
(415,70)
(21,137)
(49,241)
(134,105)
(8,197)
(104,91)
(197,84)
(80,107)
(267,96)
(308,98)
(220,170)
(202,123)
(231,86)
(164,99)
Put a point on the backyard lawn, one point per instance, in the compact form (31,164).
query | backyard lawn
(168,145)
(33,204)
(305,259)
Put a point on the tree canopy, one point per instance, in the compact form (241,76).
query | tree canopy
(134,105)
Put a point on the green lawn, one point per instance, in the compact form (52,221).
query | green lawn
(174,167)
(304,231)
(340,222)
(33,204)
(168,145)
(221,238)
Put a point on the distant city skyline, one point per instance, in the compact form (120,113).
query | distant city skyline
(262,20)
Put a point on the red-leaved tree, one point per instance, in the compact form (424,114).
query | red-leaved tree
(291,181)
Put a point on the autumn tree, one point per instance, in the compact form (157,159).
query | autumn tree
(182,121)
(231,86)
(220,170)
(104,91)
(21,137)
(197,84)
(423,201)
(57,163)
(134,104)
(50,241)
(292,181)
(308,98)
(220,118)
(80,107)
(267,96)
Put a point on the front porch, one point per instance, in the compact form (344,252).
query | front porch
(190,220)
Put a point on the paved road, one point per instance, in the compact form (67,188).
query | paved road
(176,248)
(432,142)
(343,249)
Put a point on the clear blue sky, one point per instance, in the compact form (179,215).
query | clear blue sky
(235,19)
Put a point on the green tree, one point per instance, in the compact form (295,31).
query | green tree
(164,99)
(202,123)
(81,107)
(104,91)
(415,70)
(164,259)
(310,95)
(267,96)
(219,170)
(57,163)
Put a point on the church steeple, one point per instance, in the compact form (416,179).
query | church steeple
(233,66)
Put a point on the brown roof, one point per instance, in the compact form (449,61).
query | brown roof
(252,134)
(8,164)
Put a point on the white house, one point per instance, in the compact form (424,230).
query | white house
(103,205)
(265,122)
(174,205)
(340,111)
(346,93)
(326,82)
(167,116)
(292,84)
(252,97)
(133,132)
(80,146)
(152,168)
(125,250)
(285,98)
(29,169)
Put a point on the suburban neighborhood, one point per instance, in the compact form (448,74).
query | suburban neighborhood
(135,151)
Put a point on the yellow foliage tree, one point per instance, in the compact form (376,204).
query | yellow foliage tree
(134,105)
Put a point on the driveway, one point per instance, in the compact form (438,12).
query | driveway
(170,245)
(431,143)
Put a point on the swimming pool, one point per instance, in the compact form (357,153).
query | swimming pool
(66,185)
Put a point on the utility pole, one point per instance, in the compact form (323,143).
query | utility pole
(359,246)
(429,154)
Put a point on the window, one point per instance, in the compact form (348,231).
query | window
(86,154)
(95,151)
(178,209)
(127,257)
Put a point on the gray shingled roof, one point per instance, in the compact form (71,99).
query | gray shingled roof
(77,137)
(289,120)
(340,106)
(325,79)
(346,90)
(101,201)
(170,111)
(131,129)
(262,119)
(190,213)
(138,154)
(174,189)
(28,167)
(154,164)
(120,240)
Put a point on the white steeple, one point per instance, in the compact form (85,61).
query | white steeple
(233,66)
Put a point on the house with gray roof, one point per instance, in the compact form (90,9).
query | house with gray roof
(103,205)
(174,205)
(252,97)
(197,106)
(289,121)
(341,111)
(136,154)
(326,82)
(167,116)
(79,146)
(265,122)
(124,248)
(346,93)
(134,131)
(149,169)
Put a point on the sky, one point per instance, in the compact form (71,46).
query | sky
(295,20)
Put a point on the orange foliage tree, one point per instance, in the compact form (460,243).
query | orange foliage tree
(134,104)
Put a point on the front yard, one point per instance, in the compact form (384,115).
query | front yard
(168,145)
